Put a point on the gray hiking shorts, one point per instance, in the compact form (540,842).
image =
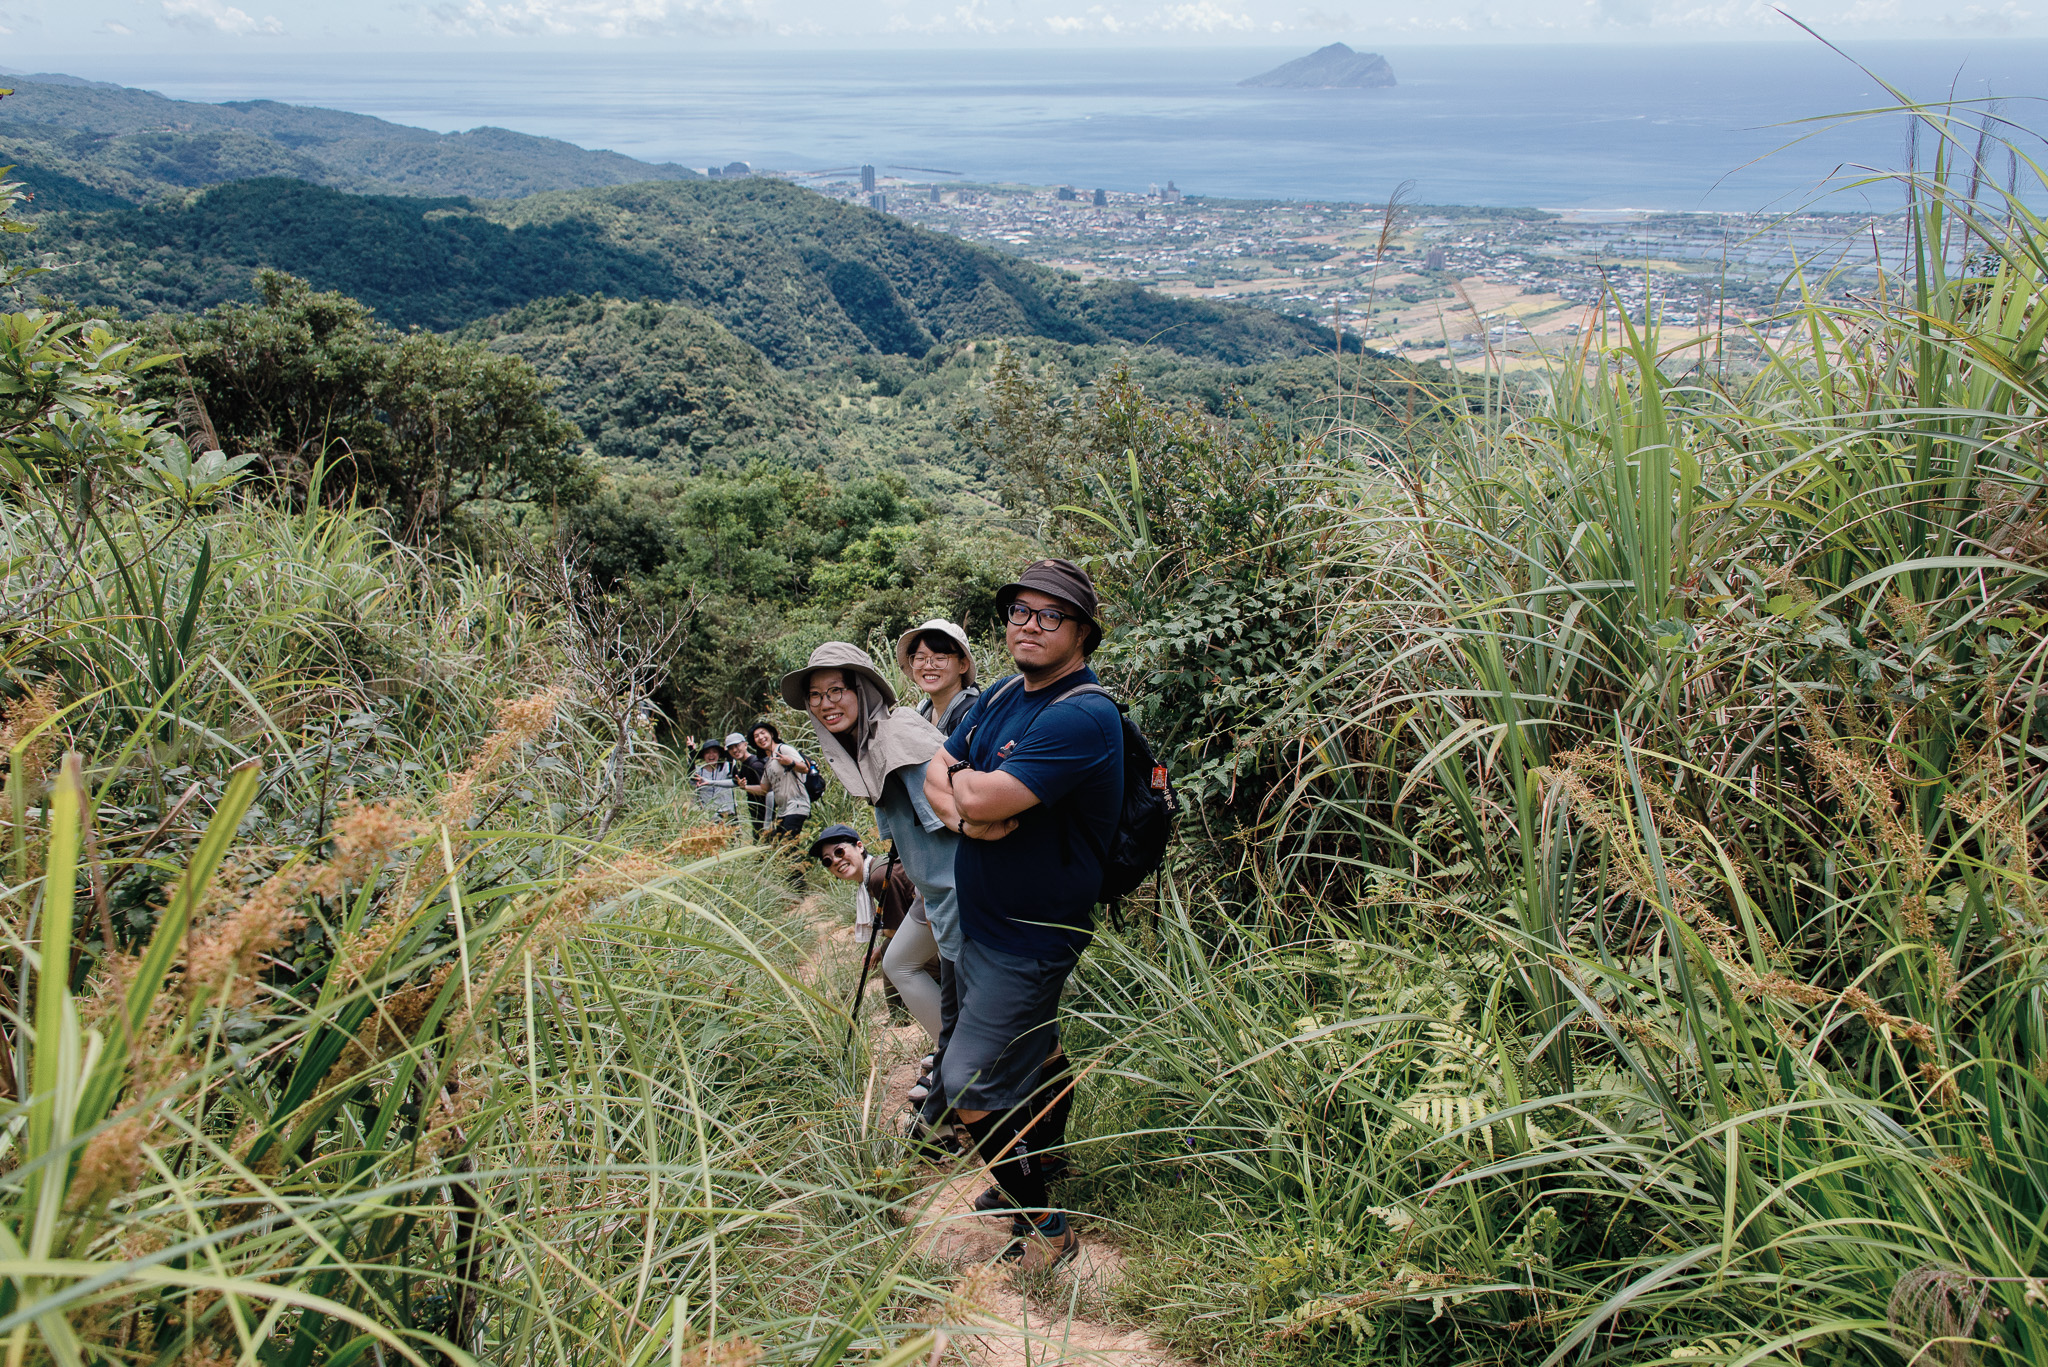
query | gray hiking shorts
(1008,1023)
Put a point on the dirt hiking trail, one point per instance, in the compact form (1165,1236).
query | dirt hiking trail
(1047,1323)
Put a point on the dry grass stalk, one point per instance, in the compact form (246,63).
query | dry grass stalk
(220,964)
(1864,788)
(367,835)
(29,717)
(732,1352)
(1599,792)
(2009,847)
(113,1161)
(1934,1313)
(388,1030)
(519,723)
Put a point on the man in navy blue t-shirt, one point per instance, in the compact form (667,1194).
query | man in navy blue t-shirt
(1033,777)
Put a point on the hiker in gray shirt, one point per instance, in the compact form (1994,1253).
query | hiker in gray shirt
(713,780)
(782,783)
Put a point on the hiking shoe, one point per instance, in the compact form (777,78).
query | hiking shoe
(995,1201)
(925,1064)
(927,1145)
(921,1090)
(1033,1249)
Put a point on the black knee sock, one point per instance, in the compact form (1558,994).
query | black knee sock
(949,1012)
(998,1141)
(1055,1097)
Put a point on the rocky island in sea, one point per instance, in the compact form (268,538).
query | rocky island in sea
(1335,67)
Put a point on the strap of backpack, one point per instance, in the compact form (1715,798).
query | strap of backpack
(1065,816)
(994,693)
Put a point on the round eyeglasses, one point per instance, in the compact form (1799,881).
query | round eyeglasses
(1049,619)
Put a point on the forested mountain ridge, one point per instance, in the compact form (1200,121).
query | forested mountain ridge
(90,145)
(802,277)
(652,383)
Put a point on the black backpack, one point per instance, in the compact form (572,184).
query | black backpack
(1144,823)
(814,781)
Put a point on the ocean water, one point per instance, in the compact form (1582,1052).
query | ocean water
(1702,126)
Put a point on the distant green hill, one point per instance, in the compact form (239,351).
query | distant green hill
(802,277)
(663,385)
(665,388)
(90,145)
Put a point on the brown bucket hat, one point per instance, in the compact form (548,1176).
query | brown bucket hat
(1066,581)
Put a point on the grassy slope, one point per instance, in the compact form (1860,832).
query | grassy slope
(1641,953)
(1645,962)
(132,144)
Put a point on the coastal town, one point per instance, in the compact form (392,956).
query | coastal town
(1474,286)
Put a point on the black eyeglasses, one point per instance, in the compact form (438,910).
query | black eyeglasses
(1049,619)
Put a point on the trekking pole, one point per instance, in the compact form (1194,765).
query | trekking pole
(853,1013)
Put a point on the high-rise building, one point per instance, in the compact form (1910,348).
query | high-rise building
(935,194)
(1101,198)
(1435,260)
(878,201)
(1064,192)
(867,179)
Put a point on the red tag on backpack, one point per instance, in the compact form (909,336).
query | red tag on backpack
(1158,778)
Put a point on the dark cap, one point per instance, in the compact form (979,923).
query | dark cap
(833,835)
(1064,580)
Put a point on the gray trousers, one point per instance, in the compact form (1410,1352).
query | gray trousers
(910,949)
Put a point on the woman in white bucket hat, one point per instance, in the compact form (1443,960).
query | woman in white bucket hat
(937,658)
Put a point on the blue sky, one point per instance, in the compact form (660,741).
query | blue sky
(219,27)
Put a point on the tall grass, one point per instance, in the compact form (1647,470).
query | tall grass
(1650,959)
(1640,784)
(332,1031)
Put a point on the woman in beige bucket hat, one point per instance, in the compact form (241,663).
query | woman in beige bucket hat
(878,752)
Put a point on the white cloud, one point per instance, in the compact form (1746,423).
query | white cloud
(1981,19)
(118,30)
(212,17)
(601,18)
(1096,20)
(1367,24)
(1206,16)
(1198,16)
(1623,12)
(1747,15)
(972,17)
